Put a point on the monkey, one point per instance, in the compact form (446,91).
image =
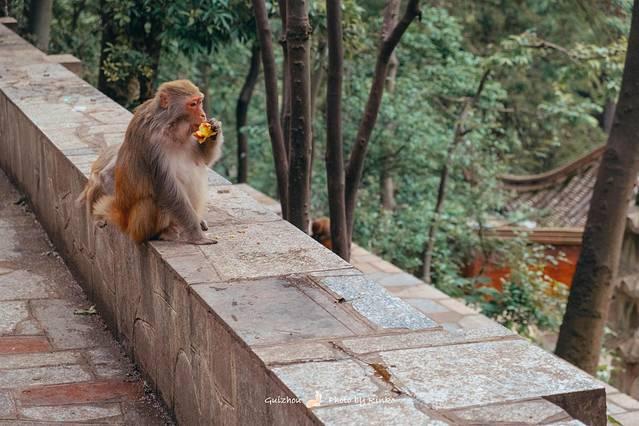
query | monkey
(101,181)
(321,231)
(155,185)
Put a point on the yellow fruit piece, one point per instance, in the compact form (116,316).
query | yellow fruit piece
(204,132)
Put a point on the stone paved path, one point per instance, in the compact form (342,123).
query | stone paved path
(56,366)
(451,313)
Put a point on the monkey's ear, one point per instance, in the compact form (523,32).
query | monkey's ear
(164,100)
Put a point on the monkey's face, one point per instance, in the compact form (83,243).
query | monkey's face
(195,112)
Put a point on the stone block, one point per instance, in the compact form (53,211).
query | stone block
(38,376)
(9,22)
(22,284)
(68,61)
(187,405)
(23,344)
(80,393)
(376,304)
(7,406)
(228,204)
(380,413)
(42,359)
(335,382)
(266,249)
(441,376)
(255,312)
(65,329)
(436,337)
(298,352)
(71,413)
(532,412)
(11,314)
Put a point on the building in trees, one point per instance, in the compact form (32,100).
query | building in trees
(556,203)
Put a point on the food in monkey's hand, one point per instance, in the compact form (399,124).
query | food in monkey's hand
(204,132)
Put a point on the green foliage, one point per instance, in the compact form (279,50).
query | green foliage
(529,299)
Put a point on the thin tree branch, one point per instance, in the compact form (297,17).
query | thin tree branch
(270,84)
(367,123)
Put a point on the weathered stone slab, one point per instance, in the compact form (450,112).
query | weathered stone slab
(65,329)
(23,344)
(7,406)
(441,376)
(254,309)
(337,382)
(68,61)
(71,413)
(437,337)
(266,249)
(378,412)
(375,304)
(228,204)
(23,284)
(80,393)
(42,376)
(300,352)
(42,359)
(533,412)
(393,279)
(11,314)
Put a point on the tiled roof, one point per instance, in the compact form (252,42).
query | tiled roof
(559,198)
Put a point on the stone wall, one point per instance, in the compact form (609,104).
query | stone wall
(255,328)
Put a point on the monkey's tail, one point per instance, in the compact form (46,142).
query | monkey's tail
(103,209)
(91,193)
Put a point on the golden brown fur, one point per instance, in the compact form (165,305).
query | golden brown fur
(160,173)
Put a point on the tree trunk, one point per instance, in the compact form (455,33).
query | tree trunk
(108,38)
(458,136)
(366,125)
(40,13)
(317,77)
(241,112)
(582,329)
(608,115)
(387,191)
(334,142)
(150,43)
(298,32)
(270,83)
(387,186)
(285,111)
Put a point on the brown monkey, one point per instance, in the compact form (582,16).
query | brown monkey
(160,171)
(321,231)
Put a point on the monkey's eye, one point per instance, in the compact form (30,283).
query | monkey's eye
(193,104)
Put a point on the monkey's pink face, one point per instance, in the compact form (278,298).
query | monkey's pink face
(195,111)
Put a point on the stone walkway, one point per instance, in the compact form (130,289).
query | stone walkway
(56,365)
(451,313)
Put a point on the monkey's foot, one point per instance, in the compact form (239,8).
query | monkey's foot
(169,234)
(202,241)
(204,225)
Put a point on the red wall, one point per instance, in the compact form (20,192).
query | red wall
(562,272)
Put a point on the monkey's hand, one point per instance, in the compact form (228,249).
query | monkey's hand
(216,128)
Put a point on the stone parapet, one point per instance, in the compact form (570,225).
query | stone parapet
(267,326)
